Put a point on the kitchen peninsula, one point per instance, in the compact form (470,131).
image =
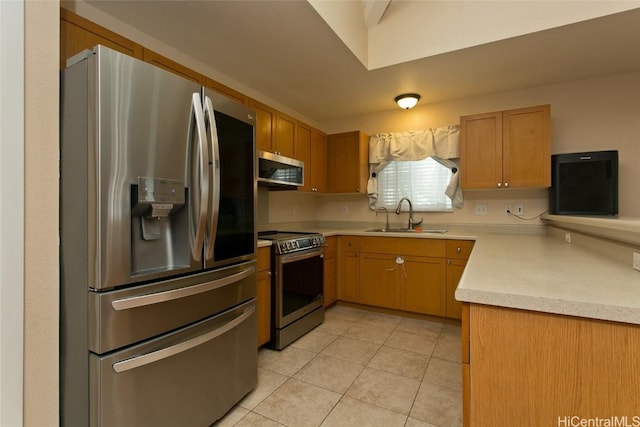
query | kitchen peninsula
(550,327)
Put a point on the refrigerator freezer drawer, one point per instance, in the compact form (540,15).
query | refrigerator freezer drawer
(124,317)
(190,377)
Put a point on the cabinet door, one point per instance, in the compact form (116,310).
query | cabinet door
(285,141)
(423,285)
(304,135)
(330,270)
(349,277)
(379,284)
(319,161)
(526,139)
(167,64)
(263,306)
(227,91)
(455,267)
(77,34)
(265,125)
(481,151)
(347,162)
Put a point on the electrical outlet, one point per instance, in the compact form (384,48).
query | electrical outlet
(567,237)
(636,261)
(519,210)
(481,209)
(507,209)
(345,209)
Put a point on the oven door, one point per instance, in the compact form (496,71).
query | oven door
(298,285)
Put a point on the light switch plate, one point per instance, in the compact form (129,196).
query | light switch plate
(636,261)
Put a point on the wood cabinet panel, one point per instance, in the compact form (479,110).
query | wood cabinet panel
(227,91)
(459,249)
(167,64)
(318,172)
(285,139)
(330,271)
(263,295)
(404,246)
(347,162)
(265,125)
(78,33)
(422,285)
(379,282)
(481,151)
(506,149)
(455,267)
(304,135)
(348,269)
(548,366)
(526,139)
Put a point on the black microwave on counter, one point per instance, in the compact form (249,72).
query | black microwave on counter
(584,183)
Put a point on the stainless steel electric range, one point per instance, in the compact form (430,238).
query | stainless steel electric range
(297,261)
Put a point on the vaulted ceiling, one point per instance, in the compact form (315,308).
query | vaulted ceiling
(287,51)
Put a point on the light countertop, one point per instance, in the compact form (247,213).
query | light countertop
(532,270)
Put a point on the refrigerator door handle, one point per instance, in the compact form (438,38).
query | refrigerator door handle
(158,297)
(136,362)
(198,168)
(214,195)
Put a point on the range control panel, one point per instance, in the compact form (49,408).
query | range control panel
(286,246)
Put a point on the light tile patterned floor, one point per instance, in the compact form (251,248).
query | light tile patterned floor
(359,368)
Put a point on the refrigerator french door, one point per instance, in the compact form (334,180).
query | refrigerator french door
(158,247)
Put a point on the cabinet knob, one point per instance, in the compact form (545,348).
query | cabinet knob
(448,262)
(499,185)
(358,190)
(506,185)
(269,273)
(458,250)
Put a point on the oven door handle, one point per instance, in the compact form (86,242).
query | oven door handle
(157,297)
(154,356)
(287,258)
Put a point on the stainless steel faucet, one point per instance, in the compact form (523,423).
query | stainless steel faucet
(386,226)
(411,222)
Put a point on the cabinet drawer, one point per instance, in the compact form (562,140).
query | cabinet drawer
(460,249)
(404,246)
(349,243)
(264,258)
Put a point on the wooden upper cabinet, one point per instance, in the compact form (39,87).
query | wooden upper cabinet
(304,135)
(311,148)
(226,91)
(77,34)
(285,139)
(347,162)
(319,161)
(506,149)
(265,125)
(167,64)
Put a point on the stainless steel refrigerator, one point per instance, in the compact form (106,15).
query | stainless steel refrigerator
(158,247)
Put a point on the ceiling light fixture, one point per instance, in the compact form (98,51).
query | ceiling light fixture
(407,100)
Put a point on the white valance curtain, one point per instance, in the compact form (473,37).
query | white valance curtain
(441,144)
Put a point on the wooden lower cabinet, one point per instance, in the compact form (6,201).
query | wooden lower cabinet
(541,369)
(330,271)
(263,295)
(422,287)
(379,280)
(349,268)
(455,267)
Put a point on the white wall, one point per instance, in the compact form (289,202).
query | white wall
(594,114)
(11,211)
(41,271)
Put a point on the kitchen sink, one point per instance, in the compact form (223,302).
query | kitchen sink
(406,230)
